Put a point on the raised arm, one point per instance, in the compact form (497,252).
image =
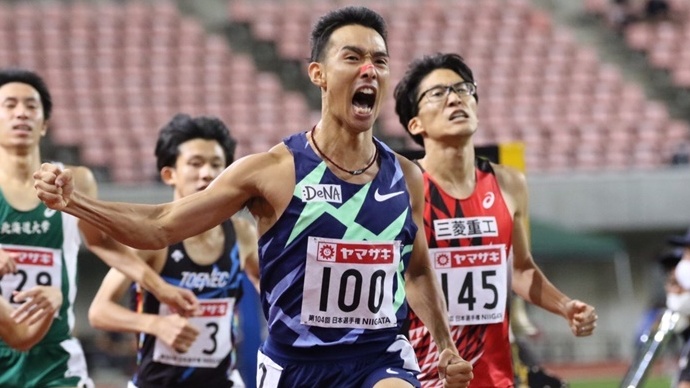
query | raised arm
(424,293)
(124,258)
(156,226)
(528,280)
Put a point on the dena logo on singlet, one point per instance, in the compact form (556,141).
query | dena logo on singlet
(322,193)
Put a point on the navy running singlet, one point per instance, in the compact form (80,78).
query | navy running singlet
(332,267)
(209,360)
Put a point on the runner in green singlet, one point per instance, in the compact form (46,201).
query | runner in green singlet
(43,243)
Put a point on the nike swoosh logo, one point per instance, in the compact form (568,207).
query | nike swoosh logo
(49,212)
(391,371)
(384,197)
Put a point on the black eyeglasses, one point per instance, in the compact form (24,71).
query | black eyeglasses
(440,92)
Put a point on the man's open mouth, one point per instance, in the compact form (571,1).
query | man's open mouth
(363,100)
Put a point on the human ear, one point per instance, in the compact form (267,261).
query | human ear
(316,74)
(168,175)
(414,126)
(44,129)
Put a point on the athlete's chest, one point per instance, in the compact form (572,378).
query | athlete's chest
(39,226)
(483,215)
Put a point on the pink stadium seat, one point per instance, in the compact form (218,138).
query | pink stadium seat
(681,77)
(121,71)
(130,67)
(638,36)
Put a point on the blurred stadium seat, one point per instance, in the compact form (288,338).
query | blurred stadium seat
(530,73)
(120,70)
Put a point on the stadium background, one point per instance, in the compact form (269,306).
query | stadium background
(603,112)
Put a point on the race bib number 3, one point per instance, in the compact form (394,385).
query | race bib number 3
(213,343)
(474,282)
(350,284)
(35,267)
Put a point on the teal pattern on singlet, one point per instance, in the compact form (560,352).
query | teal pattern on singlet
(376,211)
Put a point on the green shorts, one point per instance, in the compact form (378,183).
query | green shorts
(45,365)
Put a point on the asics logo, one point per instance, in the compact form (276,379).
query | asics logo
(488,201)
(384,197)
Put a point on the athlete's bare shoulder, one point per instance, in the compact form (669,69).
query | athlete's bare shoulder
(410,169)
(267,180)
(513,185)
(276,163)
(509,178)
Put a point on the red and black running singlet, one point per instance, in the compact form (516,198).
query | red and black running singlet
(470,250)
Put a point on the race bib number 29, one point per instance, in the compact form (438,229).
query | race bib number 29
(474,282)
(35,267)
(349,284)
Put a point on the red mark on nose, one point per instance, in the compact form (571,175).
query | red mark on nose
(365,68)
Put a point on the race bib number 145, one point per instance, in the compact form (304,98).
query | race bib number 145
(474,281)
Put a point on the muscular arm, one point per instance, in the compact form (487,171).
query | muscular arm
(421,286)
(528,280)
(424,293)
(124,258)
(156,226)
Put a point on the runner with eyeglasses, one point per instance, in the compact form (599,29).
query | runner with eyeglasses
(474,222)
(342,252)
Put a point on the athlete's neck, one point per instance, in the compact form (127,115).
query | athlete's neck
(349,149)
(205,248)
(454,163)
(451,166)
(347,144)
(18,166)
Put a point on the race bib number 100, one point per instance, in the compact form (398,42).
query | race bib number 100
(35,267)
(474,282)
(350,284)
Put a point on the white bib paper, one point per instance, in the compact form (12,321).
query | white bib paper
(349,284)
(474,282)
(213,343)
(35,267)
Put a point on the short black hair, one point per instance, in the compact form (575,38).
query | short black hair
(407,90)
(32,79)
(182,127)
(324,27)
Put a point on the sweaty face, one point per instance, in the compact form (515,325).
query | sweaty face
(454,116)
(200,162)
(356,73)
(21,115)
